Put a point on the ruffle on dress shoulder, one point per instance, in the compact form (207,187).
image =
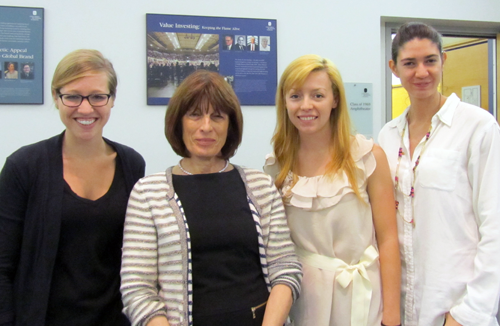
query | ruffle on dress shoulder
(270,166)
(319,192)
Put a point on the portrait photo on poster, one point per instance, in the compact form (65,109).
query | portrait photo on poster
(27,70)
(265,43)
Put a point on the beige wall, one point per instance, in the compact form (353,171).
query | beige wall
(467,67)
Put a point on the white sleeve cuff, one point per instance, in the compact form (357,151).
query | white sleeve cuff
(468,317)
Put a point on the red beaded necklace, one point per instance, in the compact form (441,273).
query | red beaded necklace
(400,155)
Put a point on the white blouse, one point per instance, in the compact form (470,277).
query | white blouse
(450,254)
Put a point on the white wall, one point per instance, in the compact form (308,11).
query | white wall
(347,32)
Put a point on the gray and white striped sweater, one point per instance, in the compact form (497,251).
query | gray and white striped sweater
(156,274)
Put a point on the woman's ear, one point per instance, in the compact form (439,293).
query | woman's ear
(113,98)
(444,56)
(335,103)
(393,67)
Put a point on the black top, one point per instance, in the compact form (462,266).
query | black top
(227,274)
(31,193)
(85,287)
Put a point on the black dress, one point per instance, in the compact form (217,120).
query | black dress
(85,288)
(227,274)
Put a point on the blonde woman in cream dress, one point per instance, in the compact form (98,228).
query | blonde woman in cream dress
(339,202)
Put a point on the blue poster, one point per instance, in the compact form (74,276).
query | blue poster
(242,50)
(21,49)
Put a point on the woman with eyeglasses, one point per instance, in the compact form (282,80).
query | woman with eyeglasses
(444,157)
(62,208)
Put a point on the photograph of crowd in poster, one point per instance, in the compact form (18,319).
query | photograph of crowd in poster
(173,56)
(237,48)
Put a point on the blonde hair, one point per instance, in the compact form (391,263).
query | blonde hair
(83,63)
(286,140)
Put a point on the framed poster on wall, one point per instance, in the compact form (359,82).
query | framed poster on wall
(21,55)
(242,50)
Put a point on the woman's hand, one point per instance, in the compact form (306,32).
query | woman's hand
(450,321)
(158,321)
(278,305)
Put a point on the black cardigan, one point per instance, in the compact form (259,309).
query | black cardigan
(31,192)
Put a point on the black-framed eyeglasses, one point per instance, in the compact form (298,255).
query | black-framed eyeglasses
(75,100)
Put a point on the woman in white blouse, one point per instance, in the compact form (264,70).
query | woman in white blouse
(444,156)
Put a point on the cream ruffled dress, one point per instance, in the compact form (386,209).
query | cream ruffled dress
(335,240)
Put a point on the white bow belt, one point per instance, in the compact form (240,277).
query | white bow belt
(361,285)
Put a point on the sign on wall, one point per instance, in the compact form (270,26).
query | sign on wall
(242,50)
(472,95)
(21,55)
(360,101)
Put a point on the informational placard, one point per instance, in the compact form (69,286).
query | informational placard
(242,50)
(21,50)
(360,102)
(472,95)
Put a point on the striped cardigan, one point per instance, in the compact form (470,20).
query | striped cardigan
(156,274)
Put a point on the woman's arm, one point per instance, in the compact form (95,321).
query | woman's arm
(139,272)
(13,201)
(381,192)
(278,306)
(450,321)
(479,304)
(158,321)
(284,267)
